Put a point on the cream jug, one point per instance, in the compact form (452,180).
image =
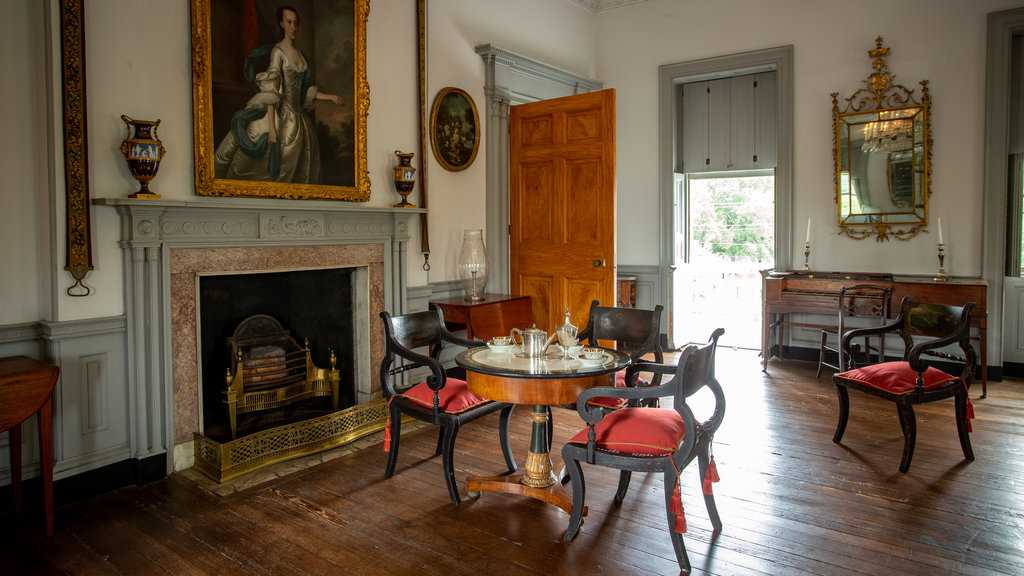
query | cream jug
(533,341)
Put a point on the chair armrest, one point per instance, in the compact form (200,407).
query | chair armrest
(592,414)
(460,341)
(919,364)
(415,360)
(850,335)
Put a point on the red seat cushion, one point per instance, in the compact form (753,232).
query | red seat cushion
(896,377)
(649,431)
(454,398)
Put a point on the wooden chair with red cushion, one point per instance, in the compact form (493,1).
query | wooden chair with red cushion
(633,331)
(925,329)
(645,438)
(440,399)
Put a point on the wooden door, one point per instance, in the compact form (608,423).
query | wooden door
(562,205)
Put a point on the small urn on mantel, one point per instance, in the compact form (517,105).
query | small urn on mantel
(143,151)
(405,178)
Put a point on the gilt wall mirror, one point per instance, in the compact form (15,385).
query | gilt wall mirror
(881,151)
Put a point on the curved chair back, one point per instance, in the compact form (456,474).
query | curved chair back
(633,331)
(403,336)
(699,372)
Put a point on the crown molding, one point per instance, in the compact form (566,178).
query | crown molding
(596,6)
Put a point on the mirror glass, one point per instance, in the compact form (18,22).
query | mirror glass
(881,175)
(882,154)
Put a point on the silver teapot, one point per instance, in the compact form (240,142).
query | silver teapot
(533,341)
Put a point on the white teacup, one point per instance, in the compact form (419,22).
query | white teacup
(592,353)
(501,341)
(572,351)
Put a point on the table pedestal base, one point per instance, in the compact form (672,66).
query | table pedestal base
(513,484)
(537,481)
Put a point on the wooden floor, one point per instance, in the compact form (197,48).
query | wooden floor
(792,503)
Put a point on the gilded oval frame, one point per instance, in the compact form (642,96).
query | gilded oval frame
(448,118)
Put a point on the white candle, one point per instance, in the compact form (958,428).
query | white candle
(940,230)
(808,239)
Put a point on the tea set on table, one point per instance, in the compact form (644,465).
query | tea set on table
(534,342)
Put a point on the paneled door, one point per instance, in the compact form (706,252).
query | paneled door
(562,205)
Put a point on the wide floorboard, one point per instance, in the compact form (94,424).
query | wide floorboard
(791,500)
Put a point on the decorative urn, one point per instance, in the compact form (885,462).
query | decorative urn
(143,151)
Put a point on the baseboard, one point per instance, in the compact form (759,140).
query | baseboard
(131,472)
(1013,369)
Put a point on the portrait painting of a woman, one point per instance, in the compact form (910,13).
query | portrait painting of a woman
(284,97)
(273,138)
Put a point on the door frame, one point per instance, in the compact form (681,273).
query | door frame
(669,77)
(1001,26)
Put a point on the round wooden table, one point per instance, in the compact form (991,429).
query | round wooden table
(540,382)
(26,388)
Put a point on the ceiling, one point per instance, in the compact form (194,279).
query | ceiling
(602,5)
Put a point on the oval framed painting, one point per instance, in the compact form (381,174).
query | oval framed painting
(454,129)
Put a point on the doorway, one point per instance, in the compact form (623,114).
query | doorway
(1002,230)
(671,180)
(725,235)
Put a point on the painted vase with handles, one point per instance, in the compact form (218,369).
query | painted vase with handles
(143,151)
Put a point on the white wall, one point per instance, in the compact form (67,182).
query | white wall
(23,198)
(942,41)
(138,63)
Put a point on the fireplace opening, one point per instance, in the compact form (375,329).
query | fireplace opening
(312,305)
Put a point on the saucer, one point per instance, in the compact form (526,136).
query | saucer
(499,349)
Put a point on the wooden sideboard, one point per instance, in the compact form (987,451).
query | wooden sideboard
(817,293)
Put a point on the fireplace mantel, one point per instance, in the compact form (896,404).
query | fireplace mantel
(156,235)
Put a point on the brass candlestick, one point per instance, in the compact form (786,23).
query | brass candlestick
(942,276)
(807,255)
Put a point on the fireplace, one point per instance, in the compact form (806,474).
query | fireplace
(170,246)
(315,307)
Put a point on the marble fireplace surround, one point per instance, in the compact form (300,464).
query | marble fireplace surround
(166,246)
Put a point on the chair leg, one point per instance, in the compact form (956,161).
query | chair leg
(396,435)
(703,458)
(620,492)
(962,426)
(448,457)
(506,443)
(821,353)
(579,496)
(844,412)
(909,424)
(677,538)
(440,442)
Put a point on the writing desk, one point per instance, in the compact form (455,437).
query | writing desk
(817,293)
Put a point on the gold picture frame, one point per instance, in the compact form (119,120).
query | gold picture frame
(454,129)
(236,45)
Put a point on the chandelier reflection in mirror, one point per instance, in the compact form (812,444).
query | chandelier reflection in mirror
(890,133)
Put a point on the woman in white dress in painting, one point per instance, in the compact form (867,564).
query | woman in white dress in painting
(273,137)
